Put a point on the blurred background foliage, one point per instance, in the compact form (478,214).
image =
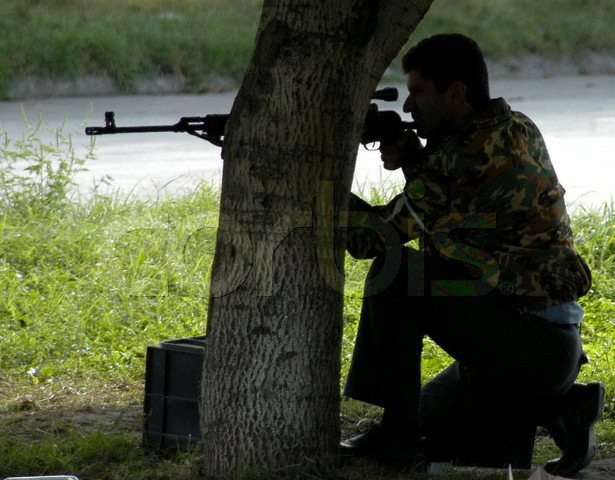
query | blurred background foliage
(201,41)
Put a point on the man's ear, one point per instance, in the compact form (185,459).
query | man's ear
(457,91)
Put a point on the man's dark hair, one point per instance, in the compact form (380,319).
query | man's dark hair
(451,57)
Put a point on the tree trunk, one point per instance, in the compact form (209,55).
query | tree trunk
(272,350)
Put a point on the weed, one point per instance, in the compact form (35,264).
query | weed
(36,176)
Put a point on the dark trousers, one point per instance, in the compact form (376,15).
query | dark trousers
(507,364)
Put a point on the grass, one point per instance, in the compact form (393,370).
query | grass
(553,28)
(201,41)
(89,283)
(126,41)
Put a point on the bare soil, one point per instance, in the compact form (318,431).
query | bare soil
(120,410)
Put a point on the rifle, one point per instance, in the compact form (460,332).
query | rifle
(380,126)
(209,127)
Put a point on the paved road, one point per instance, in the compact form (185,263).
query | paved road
(576,115)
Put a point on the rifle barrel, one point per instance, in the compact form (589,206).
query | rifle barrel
(209,127)
(140,129)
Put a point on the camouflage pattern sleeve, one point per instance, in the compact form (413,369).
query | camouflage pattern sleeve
(491,188)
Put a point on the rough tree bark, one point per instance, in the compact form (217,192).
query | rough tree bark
(272,350)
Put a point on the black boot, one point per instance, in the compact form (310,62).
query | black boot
(572,427)
(390,442)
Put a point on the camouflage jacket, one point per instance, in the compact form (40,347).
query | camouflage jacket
(488,197)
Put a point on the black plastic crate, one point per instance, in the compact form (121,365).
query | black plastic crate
(172,391)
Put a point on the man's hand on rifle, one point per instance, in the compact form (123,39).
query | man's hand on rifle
(401,153)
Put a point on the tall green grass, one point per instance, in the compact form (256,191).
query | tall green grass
(595,239)
(89,282)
